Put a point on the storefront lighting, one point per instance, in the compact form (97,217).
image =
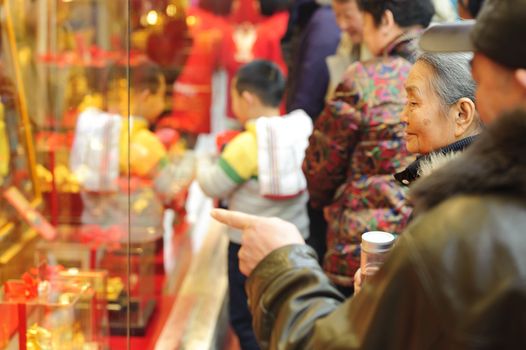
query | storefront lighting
(171,10)
(191,21)
(152,17)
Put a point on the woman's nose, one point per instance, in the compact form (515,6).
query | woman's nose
(403,115)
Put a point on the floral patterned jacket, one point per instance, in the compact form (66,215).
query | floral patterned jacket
(356,147)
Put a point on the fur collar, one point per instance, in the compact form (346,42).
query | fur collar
(494,164)
(435,161)
(426,164)
(405,46)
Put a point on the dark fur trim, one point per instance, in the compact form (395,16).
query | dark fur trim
(413,171)
(494,164)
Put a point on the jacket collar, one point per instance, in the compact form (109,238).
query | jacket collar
(494,164)
(412,172)
(405,45)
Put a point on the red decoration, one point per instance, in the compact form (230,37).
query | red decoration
(225,137)
(192,91)
(97,236)
(26,288)
(22,327)
(268,34)
(169,47)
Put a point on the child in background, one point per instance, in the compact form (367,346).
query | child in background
(147,92)
(259,170)
(110,146)
(100,147)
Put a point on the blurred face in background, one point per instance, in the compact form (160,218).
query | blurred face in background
(146,103)
(377,36)
(371,34)
(499,89)
(349,18)
(154,101)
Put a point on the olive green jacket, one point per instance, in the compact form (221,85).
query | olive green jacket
(456,278)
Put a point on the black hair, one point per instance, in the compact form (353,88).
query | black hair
(145,75)
(270,7)
(406,13)
(473,6)
(262,78)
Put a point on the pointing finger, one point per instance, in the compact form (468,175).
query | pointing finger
(234,219)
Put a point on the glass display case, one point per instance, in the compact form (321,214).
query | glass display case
(104,290)
(76,46)
(62,311)
(86,175)
(17,159)
(131,270)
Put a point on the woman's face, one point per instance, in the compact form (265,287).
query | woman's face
(349,19)
(427,128)
(372,36)
(154,103)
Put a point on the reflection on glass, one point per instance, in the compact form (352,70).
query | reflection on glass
(17,161)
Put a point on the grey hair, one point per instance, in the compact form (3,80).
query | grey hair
(452,76)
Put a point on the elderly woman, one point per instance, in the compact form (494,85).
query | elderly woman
(440,115)
(357,144)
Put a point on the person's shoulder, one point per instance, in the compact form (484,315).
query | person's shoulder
(359,74)
(297,116)
(374,81)
(466,218)
(324,18)
(242,137)
(467,248)
(452,210)
(436,237)
(380,67)
(242,142)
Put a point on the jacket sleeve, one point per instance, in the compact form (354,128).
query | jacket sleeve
(336,133)
(213,180)
(294,306)
(237,163)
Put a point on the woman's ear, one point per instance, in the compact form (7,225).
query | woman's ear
(387,22)
(464,113)
(520,75)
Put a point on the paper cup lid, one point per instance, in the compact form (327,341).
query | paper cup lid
(377,241)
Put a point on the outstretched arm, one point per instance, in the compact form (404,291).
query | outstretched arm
(261,236)
(294,305)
